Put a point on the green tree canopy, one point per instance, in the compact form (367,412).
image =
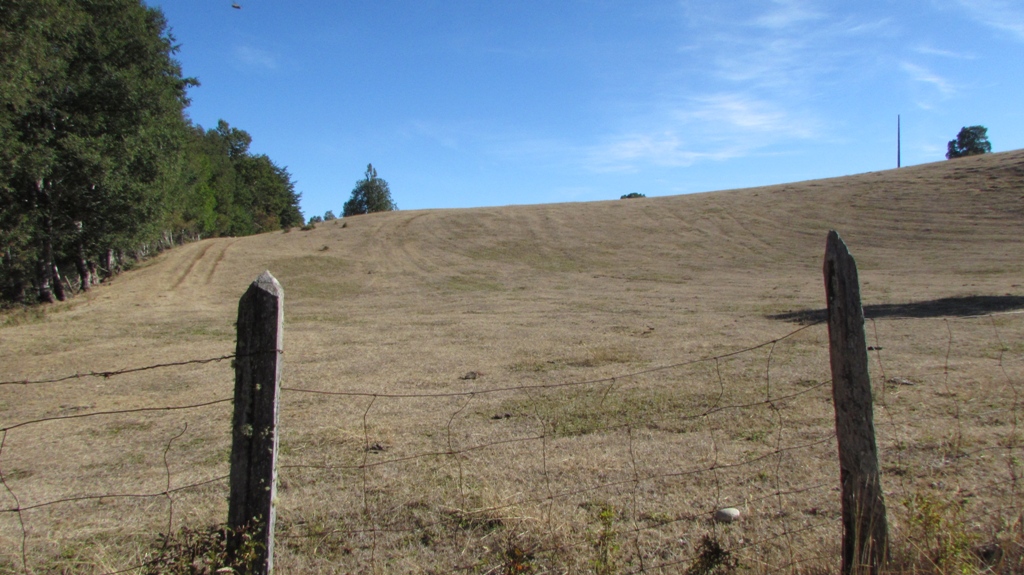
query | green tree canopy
(225,190)
(371,194)
(96,154)
(93,120)
(971,141)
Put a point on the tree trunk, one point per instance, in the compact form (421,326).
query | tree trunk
(46,269)
(83,268)
(58,284)
(18,291)
(108,262)
(44,260)
(43,280)
(54,271)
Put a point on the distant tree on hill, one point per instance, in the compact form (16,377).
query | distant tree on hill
(329,215)
(971,141)
(632,195)
(371,194)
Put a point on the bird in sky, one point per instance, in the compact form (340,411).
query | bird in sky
(236,6)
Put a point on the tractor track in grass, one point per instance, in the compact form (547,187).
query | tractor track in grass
(191,266)
(201,266)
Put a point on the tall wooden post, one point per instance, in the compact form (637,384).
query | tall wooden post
(865,532)
(251,512)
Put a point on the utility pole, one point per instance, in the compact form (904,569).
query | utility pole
(897,140)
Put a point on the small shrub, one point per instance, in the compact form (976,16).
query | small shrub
(517,560)
(606,545)
(199,552)
(712,559)
(632,195)
(937,534)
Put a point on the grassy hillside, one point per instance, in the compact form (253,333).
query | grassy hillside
(411,301)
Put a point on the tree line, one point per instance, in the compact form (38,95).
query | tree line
(99,165)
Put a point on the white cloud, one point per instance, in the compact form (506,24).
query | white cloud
(791,46)
(255,57)
(786,14)
(883,26)
(743,114)
(749,83)
(926,76)
(998,14)
(626,153)
(446,136)
(929,51)
(713,127)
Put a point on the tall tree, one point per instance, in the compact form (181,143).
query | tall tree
(33,60)
(94,127)
(371,194)
(971,141)
(96,154)
(229,191)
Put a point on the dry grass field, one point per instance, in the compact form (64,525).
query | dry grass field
(638,364)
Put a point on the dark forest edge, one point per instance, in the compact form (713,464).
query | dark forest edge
(100,166)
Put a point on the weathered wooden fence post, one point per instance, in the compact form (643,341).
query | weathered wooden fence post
(865,531)
(251,512)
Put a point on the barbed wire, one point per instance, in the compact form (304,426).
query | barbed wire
(633,477)
(549,494)
(595,429)
(117,372)
(542,386)
(115,412)
(634,527)
(101,496)
(20,507)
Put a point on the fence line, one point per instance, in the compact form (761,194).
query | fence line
(635,480)
(400,525)
(628,375)
(645,532)
(114,412)
(19,509)
(114,373)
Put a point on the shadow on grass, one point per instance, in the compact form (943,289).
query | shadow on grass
(945,307)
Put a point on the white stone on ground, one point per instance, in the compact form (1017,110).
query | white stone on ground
(727,515)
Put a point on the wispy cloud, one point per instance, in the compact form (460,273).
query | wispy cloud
(713,127)
(255,57)
(930,51)
(999,14)
(738,112)
(753,89)
(791,45)
(627,152)
(786,14)
(446,136)
(926,76)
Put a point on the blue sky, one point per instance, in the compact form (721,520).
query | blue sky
(464,103)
